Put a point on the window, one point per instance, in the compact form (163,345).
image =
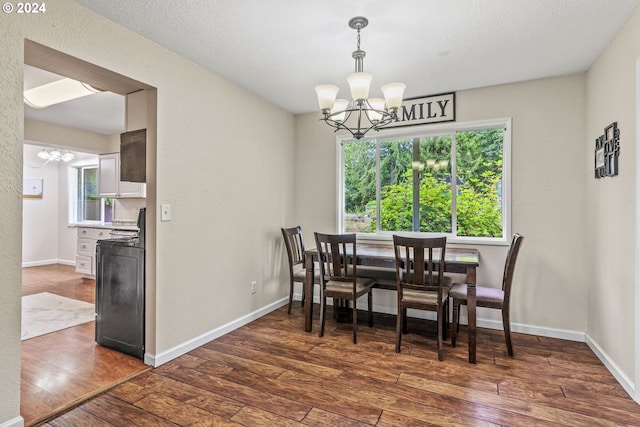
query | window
(450,180)
(87,206)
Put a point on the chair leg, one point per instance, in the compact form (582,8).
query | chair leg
(440,327)
(323,312)
(506,325)
(290,296)
(445,323)
(454,326)
(399,322)
(370,301)
(303,294)
(355,320)
(405,328)
(336,309)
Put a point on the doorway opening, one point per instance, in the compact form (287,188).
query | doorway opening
(62,368)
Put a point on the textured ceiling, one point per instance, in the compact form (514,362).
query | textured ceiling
(281,49)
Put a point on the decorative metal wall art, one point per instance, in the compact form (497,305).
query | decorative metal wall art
(607,152)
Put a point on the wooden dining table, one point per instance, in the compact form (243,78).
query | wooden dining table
(457,260)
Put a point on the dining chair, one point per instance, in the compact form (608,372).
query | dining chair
(294,243)
(490,297)
(339,277)
(421,281)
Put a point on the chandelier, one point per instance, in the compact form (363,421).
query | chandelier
(368,113)
(55,155)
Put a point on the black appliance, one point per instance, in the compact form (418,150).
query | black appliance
(120,278)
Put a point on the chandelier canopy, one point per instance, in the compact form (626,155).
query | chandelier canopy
(368,113)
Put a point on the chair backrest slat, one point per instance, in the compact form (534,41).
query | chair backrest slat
(294,244)
(336,255)
(416,262)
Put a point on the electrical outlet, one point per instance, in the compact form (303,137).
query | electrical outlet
(253,287)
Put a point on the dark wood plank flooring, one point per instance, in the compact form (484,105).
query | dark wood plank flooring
(271,373)
(66,367)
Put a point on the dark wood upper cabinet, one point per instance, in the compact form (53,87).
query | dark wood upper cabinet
(133,156)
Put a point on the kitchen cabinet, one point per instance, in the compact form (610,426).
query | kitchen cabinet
(109,184)
(86,249)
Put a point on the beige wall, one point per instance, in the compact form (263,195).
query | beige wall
(50,134)
(227,183)
(610,203)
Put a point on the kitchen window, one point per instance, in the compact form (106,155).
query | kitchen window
(448,180)
(87,206)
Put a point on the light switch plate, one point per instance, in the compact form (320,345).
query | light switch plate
(165,212)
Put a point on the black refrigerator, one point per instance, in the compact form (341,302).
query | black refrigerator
(120,278)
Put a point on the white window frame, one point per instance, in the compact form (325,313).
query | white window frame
(435,130)
(72,188)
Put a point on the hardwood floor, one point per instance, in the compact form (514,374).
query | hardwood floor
(63,368)
(270,372)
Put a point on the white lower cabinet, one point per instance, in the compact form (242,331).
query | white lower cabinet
(86,248)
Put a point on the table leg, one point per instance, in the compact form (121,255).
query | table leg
(308,292)
(471,311)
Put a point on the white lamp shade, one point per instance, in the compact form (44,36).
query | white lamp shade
(326,96)
(339,110)
(68,156)
(56,92)
(376,104)
(56,155)
(359,84)
(44,154)
(393,93)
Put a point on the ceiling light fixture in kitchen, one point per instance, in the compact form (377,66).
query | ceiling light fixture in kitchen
(57,92)
(56,155)
(374,113)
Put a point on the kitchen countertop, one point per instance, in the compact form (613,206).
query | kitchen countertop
(106,225)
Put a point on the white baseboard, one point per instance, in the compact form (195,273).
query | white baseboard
(481,323)
(15,422)
(39,263)
(615,370)
(47,262)
(156,360)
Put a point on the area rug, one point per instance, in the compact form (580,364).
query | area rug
(45,312)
